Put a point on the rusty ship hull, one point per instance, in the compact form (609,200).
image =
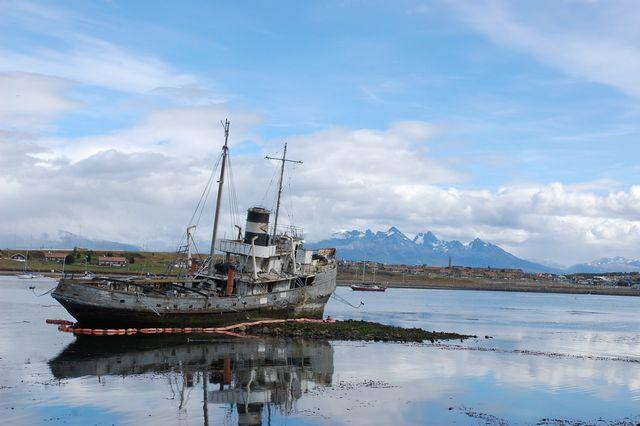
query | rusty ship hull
(92,305)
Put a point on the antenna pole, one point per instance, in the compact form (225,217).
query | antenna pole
(284,160)
(225,153)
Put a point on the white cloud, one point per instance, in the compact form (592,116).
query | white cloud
(592,41)
(190,132)
(95,62)
(31,102)
(367,178)
(60,46)
(142,184)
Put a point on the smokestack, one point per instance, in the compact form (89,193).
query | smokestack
(257,226)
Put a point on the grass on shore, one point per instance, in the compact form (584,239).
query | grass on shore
(143,263)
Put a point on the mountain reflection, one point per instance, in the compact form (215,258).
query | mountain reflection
(252,376)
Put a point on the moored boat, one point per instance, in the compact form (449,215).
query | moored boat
(367,287)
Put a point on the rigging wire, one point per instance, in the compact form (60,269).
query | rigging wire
(268,190)
(234,210)
(200,207)
(206,193)
(290,194)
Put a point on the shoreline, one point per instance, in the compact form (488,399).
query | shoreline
(479,285)
(519,287)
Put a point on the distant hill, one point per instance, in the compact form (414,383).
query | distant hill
(607,264)
(64,240)
(393,246)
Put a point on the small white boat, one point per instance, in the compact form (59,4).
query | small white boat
(27,276)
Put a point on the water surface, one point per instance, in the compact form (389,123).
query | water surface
(551,358)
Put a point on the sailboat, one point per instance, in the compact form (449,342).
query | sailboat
(26,275)
(264,273)
(368,285)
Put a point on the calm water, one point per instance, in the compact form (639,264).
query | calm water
(552,358)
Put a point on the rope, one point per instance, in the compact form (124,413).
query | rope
(345,301)
(43,294)
(139,297)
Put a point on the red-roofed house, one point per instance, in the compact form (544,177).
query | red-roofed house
(112,261)
(55,256)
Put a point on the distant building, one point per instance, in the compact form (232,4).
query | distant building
(181,263)
(55,256)
(19,257)
(112,261)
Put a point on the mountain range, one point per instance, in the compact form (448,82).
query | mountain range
(607,264)
(393,246)
(64,240)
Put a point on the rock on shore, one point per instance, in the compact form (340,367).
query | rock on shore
(353,330)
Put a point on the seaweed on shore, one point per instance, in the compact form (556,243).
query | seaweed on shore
(353,330)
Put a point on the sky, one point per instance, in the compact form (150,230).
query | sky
(516,122)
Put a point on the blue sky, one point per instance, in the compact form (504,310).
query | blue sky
(517,97)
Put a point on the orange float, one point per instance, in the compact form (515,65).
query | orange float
(67,326)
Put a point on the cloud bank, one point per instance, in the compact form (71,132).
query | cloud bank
(139,182)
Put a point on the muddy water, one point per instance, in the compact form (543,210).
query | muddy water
(552,359)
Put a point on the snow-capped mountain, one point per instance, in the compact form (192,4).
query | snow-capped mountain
(393,246)
(608,264)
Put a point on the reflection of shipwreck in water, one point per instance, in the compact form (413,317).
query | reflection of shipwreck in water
(249,373)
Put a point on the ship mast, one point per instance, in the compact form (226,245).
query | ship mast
(284,160)
(225,153)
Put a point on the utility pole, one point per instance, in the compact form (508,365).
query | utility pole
(284,160)
(225,153)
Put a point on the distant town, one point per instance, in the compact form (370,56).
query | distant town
(376,271)
(56,261)
(81,259)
